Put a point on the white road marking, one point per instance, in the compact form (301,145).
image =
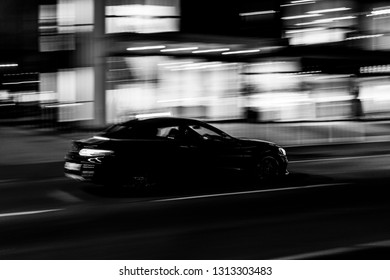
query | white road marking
(321,253)
(334,251)
(7,181)
(28,213)
(248,192)
(337,158)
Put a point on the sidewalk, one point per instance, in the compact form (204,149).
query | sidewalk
(29,152)
(29,145)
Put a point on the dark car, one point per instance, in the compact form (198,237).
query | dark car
(147,152)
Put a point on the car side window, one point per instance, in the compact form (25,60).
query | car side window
(170,132)
(206,133)
(179,133)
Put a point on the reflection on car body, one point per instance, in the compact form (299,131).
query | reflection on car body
(147,152)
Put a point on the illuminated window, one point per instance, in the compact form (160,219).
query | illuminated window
(151,16)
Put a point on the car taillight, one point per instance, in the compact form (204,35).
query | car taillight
(95,152)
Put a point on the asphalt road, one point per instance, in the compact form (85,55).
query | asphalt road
(333,205)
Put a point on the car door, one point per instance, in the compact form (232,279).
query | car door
(182,154)
(184,148)
(217,152)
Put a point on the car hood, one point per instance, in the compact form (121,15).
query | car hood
(257,143)
(92,142)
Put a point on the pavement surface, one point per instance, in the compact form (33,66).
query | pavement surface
(29,152)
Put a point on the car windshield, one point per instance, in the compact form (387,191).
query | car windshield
(130,131)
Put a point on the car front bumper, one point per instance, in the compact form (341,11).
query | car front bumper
(81,168)
(80,171)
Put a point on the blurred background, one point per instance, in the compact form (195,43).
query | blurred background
(89,63)
(310,75)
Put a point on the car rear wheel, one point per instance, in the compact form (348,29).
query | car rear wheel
(141,182)
(267,168)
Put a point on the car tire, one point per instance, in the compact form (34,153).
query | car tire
(141,182)
(267,168)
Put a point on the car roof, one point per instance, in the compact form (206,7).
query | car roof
(161,121)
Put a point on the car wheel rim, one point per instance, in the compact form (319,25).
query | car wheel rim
(268,168)
(141,182)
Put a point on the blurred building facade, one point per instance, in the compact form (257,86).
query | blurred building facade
(105,61)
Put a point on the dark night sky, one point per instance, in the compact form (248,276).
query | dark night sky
(222,17)
(18,25)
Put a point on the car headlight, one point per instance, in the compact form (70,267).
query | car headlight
(282,151)
(95,152)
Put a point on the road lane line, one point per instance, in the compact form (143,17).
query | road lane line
(28,213)
(7,181)
(336,159)
(248,192)
(321,253)
(339,250)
